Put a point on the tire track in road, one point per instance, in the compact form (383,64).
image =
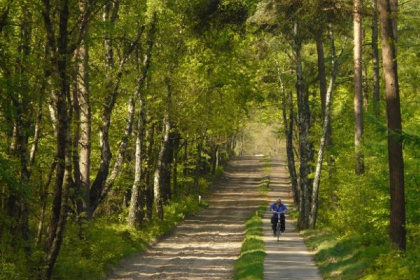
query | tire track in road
(206,244)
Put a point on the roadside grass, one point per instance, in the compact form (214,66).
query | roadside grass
(342,257)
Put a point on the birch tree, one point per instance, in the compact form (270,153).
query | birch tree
(358,92)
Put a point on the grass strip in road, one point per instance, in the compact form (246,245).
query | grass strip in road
(250,264)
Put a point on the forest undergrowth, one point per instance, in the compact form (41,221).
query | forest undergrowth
(352,256)
(90,250)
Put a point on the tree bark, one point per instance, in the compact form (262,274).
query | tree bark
(148,171)
(196,186)
(214,158)
(387,14)
(60,54)
(102,183)
(112,86)
(18,204)
(138,194)
(43,199)
(60,50)
(162,180)
(157,190)
(37,130)
(288,131)
(305,145)
(134,217)
(82,95)
(375,59)
(321,71)
(323,141)
(176,141)
(358,93)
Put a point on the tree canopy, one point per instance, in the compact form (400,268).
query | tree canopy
(118,108)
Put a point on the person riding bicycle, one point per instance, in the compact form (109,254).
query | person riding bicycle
(276,207)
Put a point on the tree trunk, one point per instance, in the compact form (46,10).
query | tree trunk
(288,130)
(60,51)
(198,167)
(23,123)
(162,180)
(134,210)
(157,191)
(139,190)
(77,197)
(112,85)
(185,170)
(375,60)
(176,149)
(37,131)
(59,61)
(167,152)
(323,87)
(43,199)
(305,145)
(321,71)
(84,116)
(150,135)
(397,233)
(323,142)
(102,183)
(214,158)
(358,93)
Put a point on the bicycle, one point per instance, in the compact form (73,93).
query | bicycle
(278,226)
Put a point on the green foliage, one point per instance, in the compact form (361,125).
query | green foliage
(250,264)
(218,72)
(13,270)
(217,14)
(348,257)
(395,266)
(8,171)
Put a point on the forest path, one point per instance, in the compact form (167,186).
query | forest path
(287,258)
(205,245)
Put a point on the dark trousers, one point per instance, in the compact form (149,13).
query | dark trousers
(274,221)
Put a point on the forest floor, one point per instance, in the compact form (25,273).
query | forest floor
(207,244)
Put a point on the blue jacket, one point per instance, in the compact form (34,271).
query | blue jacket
(276,208)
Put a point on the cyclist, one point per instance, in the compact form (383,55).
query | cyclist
(276,207)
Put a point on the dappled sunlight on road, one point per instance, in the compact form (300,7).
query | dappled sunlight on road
(206,244)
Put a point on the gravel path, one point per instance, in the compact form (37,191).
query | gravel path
(205,245)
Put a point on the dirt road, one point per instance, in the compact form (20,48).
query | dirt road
(207,244)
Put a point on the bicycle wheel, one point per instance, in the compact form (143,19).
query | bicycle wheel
(278,232)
